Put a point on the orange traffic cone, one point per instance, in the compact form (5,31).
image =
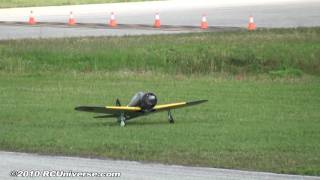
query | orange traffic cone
(71,21)
(32,20)
(251,25)
(157,21)
(112,21)
(204,23)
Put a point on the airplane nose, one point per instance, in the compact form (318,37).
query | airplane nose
(148,101)
(152,99)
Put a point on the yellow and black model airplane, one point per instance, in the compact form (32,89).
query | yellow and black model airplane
(141,104)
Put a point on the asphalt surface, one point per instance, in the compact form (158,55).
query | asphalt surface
(220,13)
(11,161)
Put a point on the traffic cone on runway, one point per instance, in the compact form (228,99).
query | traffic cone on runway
(32,20)
(157,23)
(251,25)
(71,21)
(112,21)
(204,23)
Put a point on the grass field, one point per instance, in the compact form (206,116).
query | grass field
(275,52)
(259,116)
(28,3)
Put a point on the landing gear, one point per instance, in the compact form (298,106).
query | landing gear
(122,120)
(122,123)
(170,118)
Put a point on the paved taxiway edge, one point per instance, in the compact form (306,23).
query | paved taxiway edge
(128,169)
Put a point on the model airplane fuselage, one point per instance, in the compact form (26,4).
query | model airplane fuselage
(140,104)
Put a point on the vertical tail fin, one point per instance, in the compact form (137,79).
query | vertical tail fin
(118,102)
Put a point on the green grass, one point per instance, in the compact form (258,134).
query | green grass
(263,90)
(249,124)
(28,3)
(278,52)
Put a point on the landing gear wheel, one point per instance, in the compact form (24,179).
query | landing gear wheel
(122,120)
(122,123)
(170,118)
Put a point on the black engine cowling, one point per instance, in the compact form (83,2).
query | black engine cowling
(144,100)
(148,101)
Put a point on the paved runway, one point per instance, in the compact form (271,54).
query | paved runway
(129,169)
(230,13)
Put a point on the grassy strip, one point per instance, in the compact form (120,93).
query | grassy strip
(28,3)
(277,52)
(267,125)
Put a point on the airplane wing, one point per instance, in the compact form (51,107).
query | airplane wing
(133,112)
(113,110)
(177,105)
